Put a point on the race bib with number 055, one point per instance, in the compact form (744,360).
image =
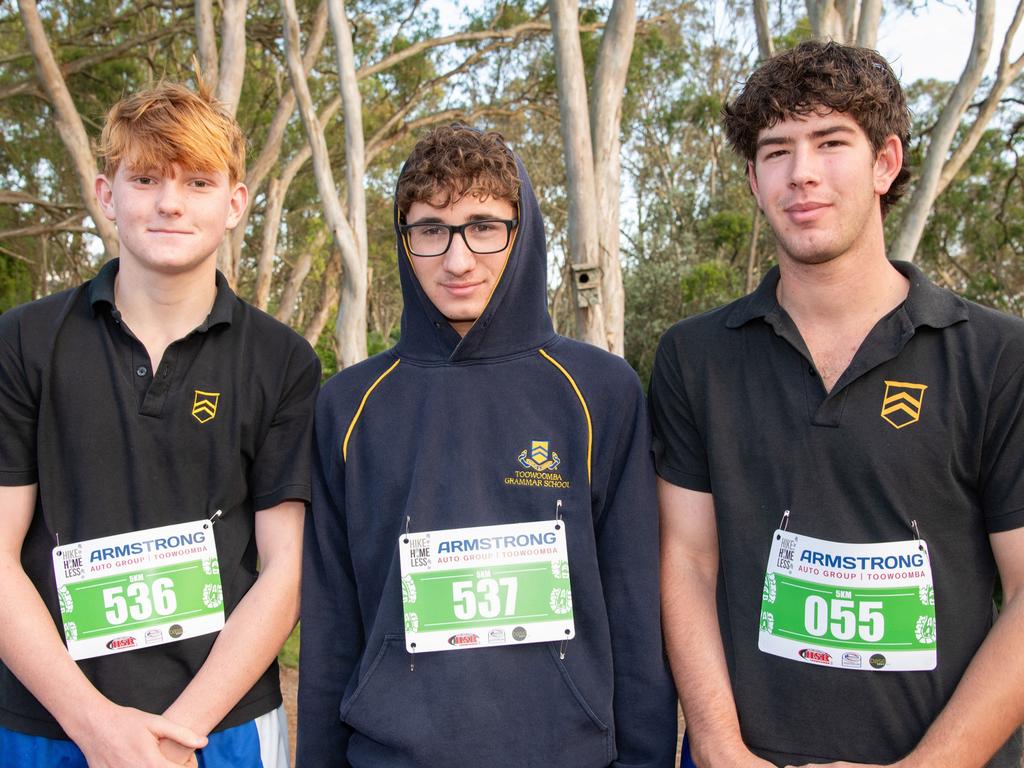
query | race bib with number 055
(867,607)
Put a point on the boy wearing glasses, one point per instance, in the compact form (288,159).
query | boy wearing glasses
(481,564)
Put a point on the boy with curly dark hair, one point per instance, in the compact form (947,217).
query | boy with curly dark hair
(839,465)
(480,577)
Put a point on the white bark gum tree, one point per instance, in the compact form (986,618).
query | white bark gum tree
(231,74)
(942,134)
(845,21)
(765,44)
(590,140)
(350,331)
(206,40)
(268,158)
(68,122)
(607,93)
(224,75)
(351,326)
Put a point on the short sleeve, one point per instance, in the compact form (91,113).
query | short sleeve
(680,450)
(281,470)
(19,409)
(1001,480)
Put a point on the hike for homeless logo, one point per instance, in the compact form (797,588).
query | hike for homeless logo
(538,464)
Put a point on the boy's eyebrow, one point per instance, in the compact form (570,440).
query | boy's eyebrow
(819,134)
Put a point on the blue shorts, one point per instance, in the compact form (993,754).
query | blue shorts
(260,743)
(686,759)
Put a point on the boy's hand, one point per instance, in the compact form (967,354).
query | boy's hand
(178,754)
(123,737)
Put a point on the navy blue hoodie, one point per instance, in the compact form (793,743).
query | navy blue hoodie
(432,429)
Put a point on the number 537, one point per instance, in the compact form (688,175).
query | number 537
(484,598)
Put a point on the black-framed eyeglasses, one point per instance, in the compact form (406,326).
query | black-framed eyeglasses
(482,236)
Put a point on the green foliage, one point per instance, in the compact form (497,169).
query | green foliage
(15,283)
(651,308)
(324,349)
(289,655)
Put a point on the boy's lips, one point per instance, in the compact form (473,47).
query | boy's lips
(461,289)
(806,211)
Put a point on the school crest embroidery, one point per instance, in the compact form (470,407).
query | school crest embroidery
(539,456)
(538,464)
(902,402)
(204,406)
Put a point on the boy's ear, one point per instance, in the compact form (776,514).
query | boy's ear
(105,195)
(888,163)
(236,205)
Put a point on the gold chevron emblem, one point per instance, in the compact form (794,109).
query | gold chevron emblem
(204,406)
(901,404)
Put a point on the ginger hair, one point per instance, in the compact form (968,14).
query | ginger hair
(169,124)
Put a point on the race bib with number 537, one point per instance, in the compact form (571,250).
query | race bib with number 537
(132,590)
(486,586)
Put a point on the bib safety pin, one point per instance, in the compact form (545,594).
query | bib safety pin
(562,645)
(784,522)
(408,519)
(412,658)
(216,516)
(558,510)
(917,535)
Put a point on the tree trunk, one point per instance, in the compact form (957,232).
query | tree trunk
(350,330)
(867,25)
(826,23)
(68,122)
(232,53)
(328,298)
(579,157)
(271,151)
(943,133)
(206,41)
(605,122)
(765,44)
(352,314)
(1006,73)
(292,288)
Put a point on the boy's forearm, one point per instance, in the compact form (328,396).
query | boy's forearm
(252,636)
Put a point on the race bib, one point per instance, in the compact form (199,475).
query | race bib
(486,586)
(854,606)
(150,587)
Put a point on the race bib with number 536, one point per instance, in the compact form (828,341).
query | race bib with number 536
(132,590)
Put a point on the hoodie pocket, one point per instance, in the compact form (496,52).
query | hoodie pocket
(508,706)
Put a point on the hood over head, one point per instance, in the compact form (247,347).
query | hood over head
(516,317)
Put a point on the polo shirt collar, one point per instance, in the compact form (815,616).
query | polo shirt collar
(926,304)
(101,291)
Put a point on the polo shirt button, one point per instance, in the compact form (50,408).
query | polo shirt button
(811,371)
(141,371)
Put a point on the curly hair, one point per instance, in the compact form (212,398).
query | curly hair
(169,124)
(823,77)
(453,161)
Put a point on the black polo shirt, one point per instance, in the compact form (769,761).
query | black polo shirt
(926,424)
(224,424)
